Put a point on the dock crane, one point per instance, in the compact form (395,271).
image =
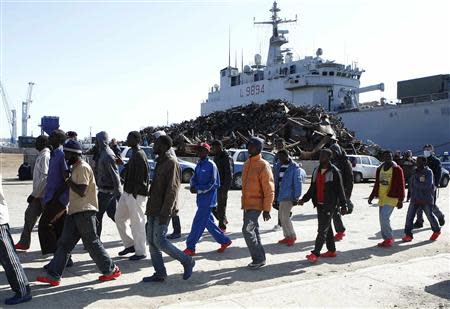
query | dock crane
(11,115)
(26,110)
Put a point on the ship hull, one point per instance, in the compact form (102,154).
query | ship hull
(405,126)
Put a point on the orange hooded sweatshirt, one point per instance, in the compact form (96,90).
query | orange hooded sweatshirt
(258,189)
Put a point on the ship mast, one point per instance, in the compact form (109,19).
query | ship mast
(277,40)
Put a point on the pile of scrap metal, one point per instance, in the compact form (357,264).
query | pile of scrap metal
(305,129)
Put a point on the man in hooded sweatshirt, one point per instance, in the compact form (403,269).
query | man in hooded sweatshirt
(108,180)
(340,160)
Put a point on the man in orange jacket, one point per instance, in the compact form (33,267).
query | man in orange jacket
(258,193)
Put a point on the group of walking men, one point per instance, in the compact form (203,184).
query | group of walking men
(70,198)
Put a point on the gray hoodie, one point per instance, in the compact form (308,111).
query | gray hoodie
(107,173)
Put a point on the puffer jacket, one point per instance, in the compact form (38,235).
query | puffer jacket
(258,190)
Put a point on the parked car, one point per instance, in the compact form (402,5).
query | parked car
(445,178)
(364,167)
(445,160)
(239,157)
(187,168)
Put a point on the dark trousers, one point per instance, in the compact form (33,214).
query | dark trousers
(338,224)
(11,264)
(250,229)
(80,225)
(176,224)
(325,230)
(49,229)
(107,202)
(436,211)
(412,210)
(32,214)
(220,211)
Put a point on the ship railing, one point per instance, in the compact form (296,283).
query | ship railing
(426,98)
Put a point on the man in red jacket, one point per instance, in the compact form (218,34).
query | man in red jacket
(390,189)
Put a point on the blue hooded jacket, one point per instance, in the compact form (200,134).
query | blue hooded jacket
(290,188)
(206,181)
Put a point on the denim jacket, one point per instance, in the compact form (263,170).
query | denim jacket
(290,188)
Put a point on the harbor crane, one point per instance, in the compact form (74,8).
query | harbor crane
(11,116)
(26,110)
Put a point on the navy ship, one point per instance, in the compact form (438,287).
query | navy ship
(422,115)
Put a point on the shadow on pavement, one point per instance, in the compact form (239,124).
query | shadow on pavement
(440,289)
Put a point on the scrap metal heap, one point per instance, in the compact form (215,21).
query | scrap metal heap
(304,129)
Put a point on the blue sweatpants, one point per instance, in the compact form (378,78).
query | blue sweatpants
(204,219)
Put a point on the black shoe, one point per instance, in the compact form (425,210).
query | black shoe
(153,278)
(441,220)
(127,251)
(418,225)
(174,236)
(17,299)
(137,257)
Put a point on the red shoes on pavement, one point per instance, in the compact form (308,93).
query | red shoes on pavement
(435,236)
(223,247)
(339,236)
(287,241)
(386,243)
(115,274)
(22,247)
(312,257)
(407,238)
(189,252)
(329,254)
(48,280)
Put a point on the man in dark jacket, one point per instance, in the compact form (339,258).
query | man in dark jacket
(435,165)
(108,180)
(340,160)
(390,189)
(422,196)
(224,164)
(161,206)
(130,212)
(327,194)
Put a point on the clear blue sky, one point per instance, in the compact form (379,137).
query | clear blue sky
(121,65)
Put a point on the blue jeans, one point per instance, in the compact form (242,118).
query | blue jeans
(204,219)
(250,229)
(435,209)
(385,221)
(156,237)
(412,209)
(80,225)
(107,202)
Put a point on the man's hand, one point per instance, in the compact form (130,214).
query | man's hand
(344,210)
(193,190)
(370,200)
(295,202)
(400,204)
(266,216)
(301,202)
(135,195)
(30,199)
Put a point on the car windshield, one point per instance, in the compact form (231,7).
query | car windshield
(269,157)
(375,161)
(148,152)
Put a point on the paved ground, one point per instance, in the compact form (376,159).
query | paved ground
(416,274)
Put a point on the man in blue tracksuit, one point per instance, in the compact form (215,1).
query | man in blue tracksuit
(205,183)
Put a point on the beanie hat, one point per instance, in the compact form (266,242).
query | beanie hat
(73,146)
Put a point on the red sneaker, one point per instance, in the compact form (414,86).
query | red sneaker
(189,252)
(291,242)
(223,247)
(48,280)
(407,238)
(386,243)
(312,257)
(22,247)
(435,236)
(115,274)
(339,236)
(329,254)
(283,241)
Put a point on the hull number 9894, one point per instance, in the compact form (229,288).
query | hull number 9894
(252,90)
